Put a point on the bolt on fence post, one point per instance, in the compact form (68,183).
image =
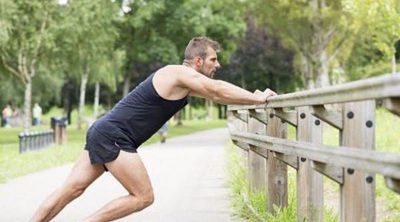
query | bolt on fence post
(357,193)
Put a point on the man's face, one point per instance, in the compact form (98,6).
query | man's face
(210,63)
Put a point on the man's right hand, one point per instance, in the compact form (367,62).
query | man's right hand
(263,96)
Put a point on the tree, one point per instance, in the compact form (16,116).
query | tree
(88,40)
(376,40)
(107,72)
(385,24)
(261,61)
(29,37)
(318,30)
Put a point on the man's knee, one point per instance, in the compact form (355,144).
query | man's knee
(74,190)
(145,199)
(148,199)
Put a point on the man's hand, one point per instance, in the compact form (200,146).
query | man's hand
(263,96)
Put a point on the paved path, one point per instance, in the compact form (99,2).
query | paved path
(188,175)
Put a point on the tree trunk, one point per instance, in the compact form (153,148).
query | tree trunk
(209,107)
(306,72)
(27,104)
(190,111)
(178,117)
(219,106)
(96,100)
(394,64)
(66,97)
(320,63)
(84,80)
(127,84)
(322,70)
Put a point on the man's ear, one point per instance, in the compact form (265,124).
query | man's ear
(198,61)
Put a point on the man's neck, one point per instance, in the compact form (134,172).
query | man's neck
(188,64)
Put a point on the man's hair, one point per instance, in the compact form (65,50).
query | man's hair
(198,47)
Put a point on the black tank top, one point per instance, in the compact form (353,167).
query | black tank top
(139,115)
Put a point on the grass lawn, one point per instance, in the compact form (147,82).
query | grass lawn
(13,164)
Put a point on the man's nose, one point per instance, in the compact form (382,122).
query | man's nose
(217,65)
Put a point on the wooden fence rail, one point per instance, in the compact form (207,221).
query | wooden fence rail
(350,108)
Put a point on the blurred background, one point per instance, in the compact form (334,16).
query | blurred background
(77,58)
(65,63)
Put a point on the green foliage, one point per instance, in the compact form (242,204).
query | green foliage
(10,88)
(375,45)
(354,34)
(156,32)
(87,35)
(31,33)
(385,24)
(7,8)
(260,62)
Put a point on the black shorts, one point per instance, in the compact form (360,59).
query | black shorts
(104,142)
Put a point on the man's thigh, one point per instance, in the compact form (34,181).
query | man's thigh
(83,172)
(130,171)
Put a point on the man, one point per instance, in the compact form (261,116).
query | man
(7,114)
(37,114)
(163,132)
(112,140)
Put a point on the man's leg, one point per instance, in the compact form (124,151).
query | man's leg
(129,170)
(81,176)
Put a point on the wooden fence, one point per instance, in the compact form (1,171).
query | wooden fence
(348,107)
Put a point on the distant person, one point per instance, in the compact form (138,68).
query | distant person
(7,114)
(37,114)
(163,132)
(112,141)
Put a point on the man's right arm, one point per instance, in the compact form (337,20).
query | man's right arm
(218,90)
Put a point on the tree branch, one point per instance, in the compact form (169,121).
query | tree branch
(11,69)
(38,43)
(328,36)
(338,47)
(25,72)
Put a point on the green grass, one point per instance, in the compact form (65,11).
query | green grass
(251,206)
(13,164)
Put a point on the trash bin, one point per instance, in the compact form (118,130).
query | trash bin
(59,126)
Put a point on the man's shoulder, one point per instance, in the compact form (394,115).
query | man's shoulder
(173,69)
(174,72)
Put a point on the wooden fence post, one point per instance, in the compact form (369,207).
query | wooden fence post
(257,163)
(357,193)
(310,205)
(276,170)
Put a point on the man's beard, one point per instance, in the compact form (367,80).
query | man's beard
(210,74)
